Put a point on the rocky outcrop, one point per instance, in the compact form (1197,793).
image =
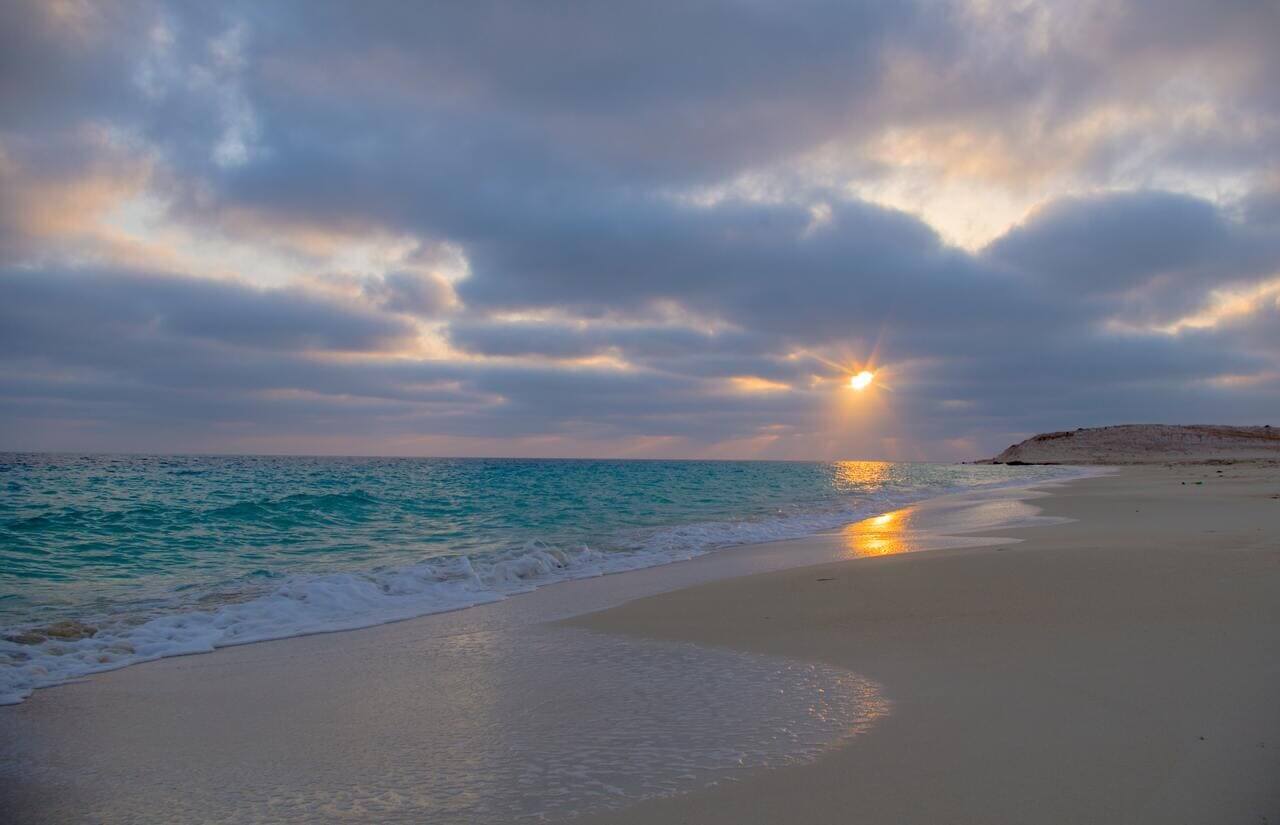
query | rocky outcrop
(1147,444)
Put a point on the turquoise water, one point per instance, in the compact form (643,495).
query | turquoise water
(166,555)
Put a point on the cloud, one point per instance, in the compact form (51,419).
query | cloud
(424,226)
(44,310)
(668,89)
(1151,255)
(66,59)
(1110,244)
(423,294)
(782,305)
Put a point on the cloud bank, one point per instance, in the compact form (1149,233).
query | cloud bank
(667,230)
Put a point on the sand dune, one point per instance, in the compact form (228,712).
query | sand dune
(1147,444)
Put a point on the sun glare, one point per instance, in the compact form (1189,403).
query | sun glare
(862,380)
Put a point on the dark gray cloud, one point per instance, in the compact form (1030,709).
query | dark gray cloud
(65,62)
(585,339)
(414,293)
(44,310)
(770,269)
(1151,256)
(1113,243)
(659,89)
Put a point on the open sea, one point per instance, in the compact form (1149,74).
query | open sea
(108,560)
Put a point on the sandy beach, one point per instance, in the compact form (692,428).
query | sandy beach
(1119,666)
(1122,667)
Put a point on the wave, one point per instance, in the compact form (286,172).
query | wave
(296,508)
(266,607)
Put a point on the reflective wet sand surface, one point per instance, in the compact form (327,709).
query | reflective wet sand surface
(488,726)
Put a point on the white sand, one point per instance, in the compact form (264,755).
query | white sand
(1124,667)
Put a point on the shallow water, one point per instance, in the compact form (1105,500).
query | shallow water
(109,560)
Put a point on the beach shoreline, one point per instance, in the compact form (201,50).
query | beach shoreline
(981,728)
(1119,666)
(246,592)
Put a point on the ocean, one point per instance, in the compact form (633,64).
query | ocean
(108,560)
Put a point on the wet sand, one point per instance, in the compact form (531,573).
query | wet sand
(1122,667)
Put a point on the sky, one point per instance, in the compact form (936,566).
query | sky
(634,230)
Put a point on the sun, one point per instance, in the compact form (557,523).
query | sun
(862,380)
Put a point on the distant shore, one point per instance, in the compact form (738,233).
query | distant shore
(1146,444)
